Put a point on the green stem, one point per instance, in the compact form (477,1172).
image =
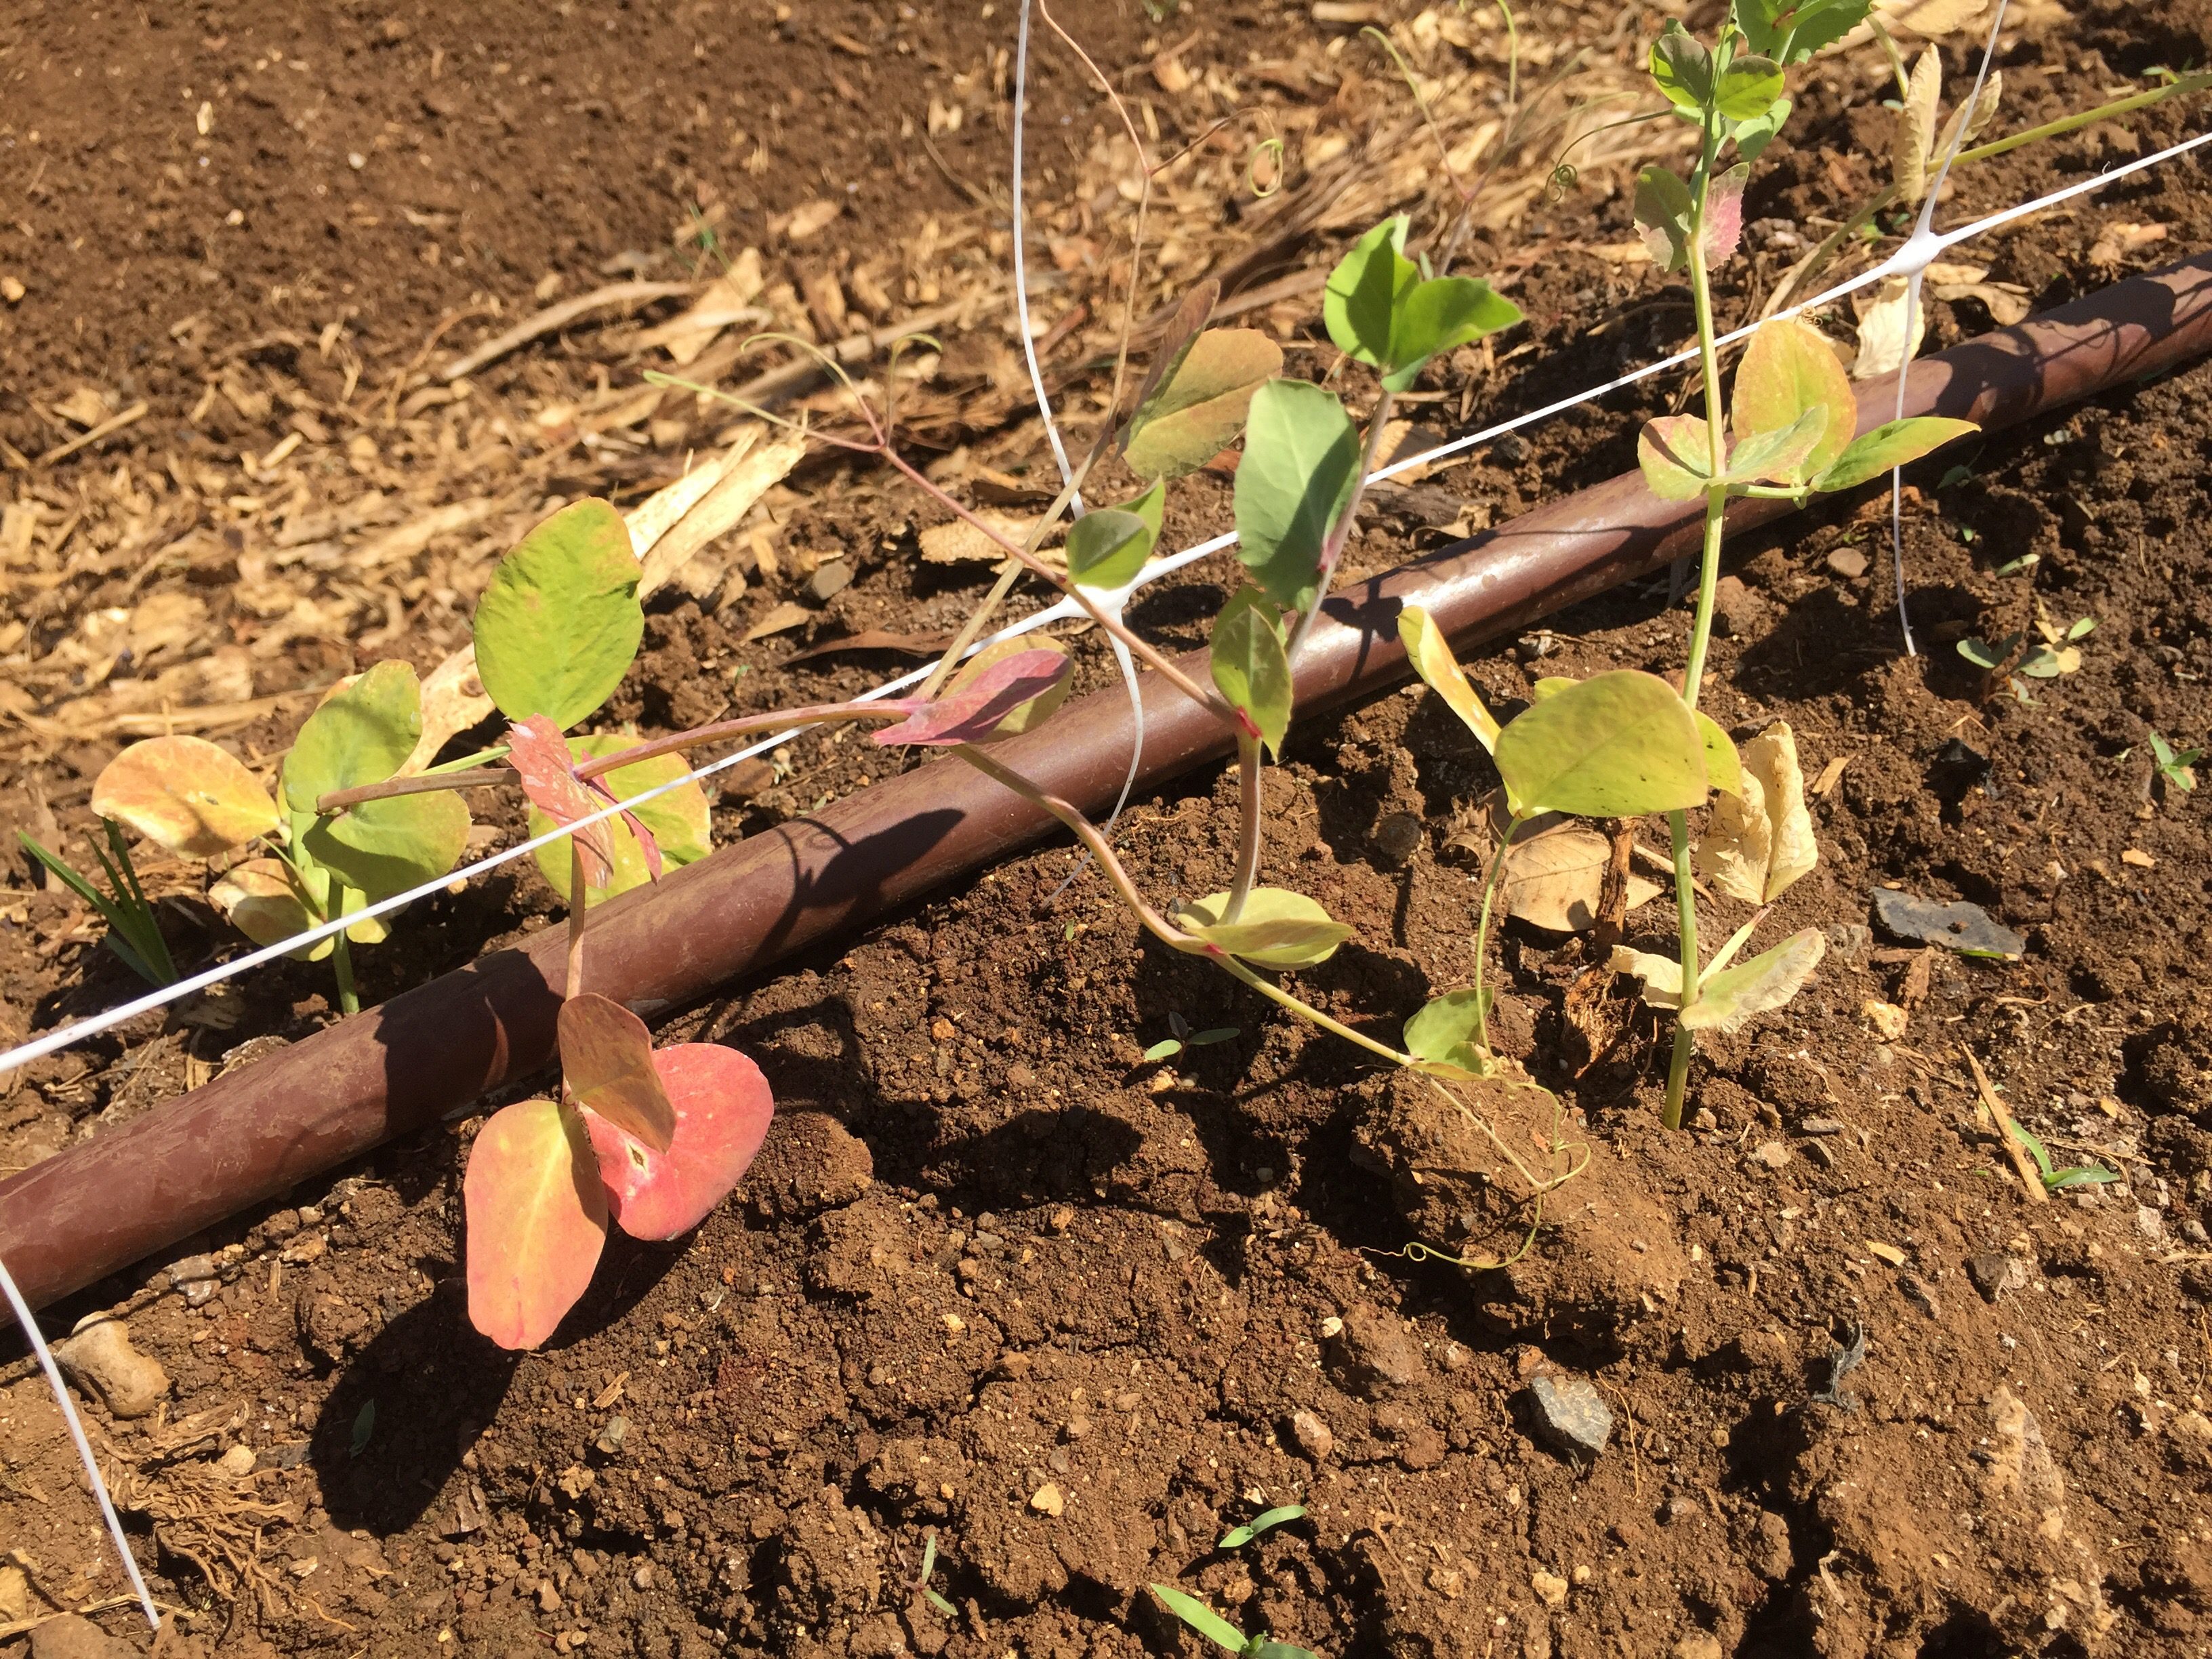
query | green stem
(1304,1010)
(1685,907)
(2066,123)
(1482,934)
(342,965)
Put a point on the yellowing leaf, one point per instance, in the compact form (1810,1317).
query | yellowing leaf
(1788,368)
(1758,842)
(185,795)
(1430,653)
(1277,928)
(1916,127)
(537,1221)
(1727,1000)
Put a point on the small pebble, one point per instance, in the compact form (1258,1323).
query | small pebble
(1571,1413)
(1995,1274)
(1771,1154)
(99,1355)
(1551,1588)
(1848,562)
(1821,1126)
(830,579)
(1312,1435)
(1048,1500)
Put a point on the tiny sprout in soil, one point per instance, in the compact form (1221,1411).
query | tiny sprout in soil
(2177,766)
(1238,1537)
(2057,1180)
(1184,1037)
(1220,1632)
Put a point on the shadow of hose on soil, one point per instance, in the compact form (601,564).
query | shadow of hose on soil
(415,1399)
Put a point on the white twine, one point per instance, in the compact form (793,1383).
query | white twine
(1905,259)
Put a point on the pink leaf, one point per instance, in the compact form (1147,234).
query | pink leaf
(1724,214)
(537,752)
(646,844)
(537,1222)
(972,713)
(722,1110)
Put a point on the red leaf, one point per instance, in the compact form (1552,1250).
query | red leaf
(537,1221)
(722,1110)
(537,752)
(971,713)
(606,1059)
(646,844)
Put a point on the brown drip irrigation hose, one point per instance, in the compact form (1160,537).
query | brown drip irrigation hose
(72,1220)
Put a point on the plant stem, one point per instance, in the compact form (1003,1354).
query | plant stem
(2065,123)
(1339,533)
(573,985)
(341,965)
(1247,846)
(1154,923)
(422,783)
(1482,934)
(1701,627)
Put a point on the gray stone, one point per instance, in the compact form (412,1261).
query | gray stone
(1996,1274)
(830,579)
(1571,1414)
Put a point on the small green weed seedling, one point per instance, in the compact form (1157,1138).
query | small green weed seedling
(1168,1048)
(935,1599)
(1238,1537)
(2004,661)
(2057,1180)
(1220,1632)
(134,935)
(2177,766)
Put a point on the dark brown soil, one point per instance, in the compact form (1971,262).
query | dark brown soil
(996,1277)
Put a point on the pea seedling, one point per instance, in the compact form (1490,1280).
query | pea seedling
(1220,1632)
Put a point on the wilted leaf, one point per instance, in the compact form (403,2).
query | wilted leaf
(537,1222)
(1893,443)
(1787,370)
(1890,327)
(1759,841)
(976,712)
(1554,873)
(1277,928)
(1724,767)
(1727,1001)
(1724,214)
(2116,242)
(680,822)
(1300,461)
(1916,127)
(1984,111)
(1251,667)
(1201,407)
(722,1106)
(1430,653)
(359,735)
(1107,546)
(1930,19)
(606,1064)
(1617,745)
(185,795)
(556,630)
(257,897)
(540,756)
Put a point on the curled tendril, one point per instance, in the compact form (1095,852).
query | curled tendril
(1265,147)
(1417,1253)
(1564,177)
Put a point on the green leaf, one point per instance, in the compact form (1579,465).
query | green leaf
(1791,30)
(1438,316)
(1682,67)
(1236,1537)
(364,1427)
(185,795)
(1749,88)
(1200,407)
(1277,929)
(1984,656)
(2080,1174)
(1724,767)
(1107,546)
(384,846)
(1663,207)
(1165,1049)
(361,735)
(559,625)
(1777,457)
(2044,662)
(1211,1035)
(1787,370)
(1443,1033)
(1252,669)
(1616,746)
(1430,653)
(681,820)
(1752,137)
(1268,1648)
(1300,461)
(2082,626)
(1892,444)
(1202,1618)
(1726,1000)
(1360,303)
